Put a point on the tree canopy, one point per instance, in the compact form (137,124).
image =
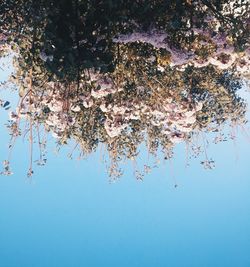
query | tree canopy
(121,73)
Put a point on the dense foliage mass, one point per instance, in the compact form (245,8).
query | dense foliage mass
(122,73)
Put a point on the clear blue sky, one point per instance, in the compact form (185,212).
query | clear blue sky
(70,215)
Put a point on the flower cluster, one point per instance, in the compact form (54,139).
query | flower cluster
(208,48)
(161,110)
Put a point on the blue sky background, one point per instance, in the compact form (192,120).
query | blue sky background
(70,215)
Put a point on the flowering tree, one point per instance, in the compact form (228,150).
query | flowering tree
(103,73)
